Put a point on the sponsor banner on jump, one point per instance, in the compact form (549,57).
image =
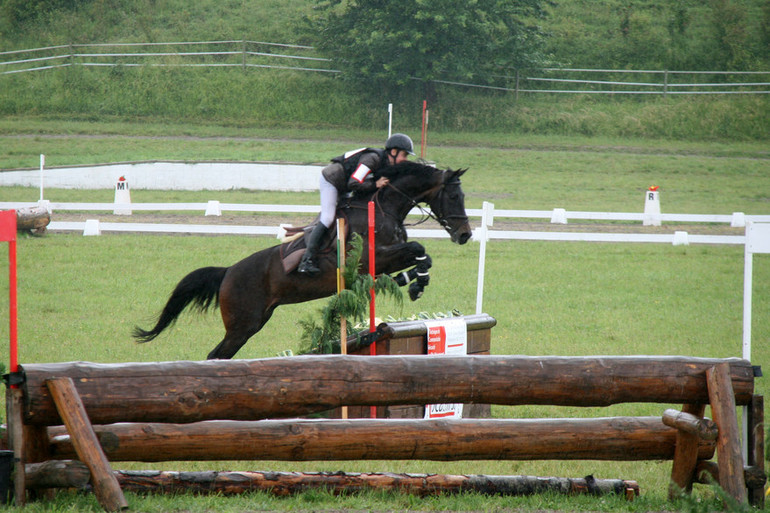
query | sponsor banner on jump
(446,337)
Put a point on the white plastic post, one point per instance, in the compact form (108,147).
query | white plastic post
(282,230)
(390,119)
(487,218)
(122,198)
(680,239)
(757,241)
(559,216)
(42,166)
(92,227)
(213,208)
(738,220)
(651,208)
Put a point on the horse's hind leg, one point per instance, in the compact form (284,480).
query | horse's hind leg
(239,328)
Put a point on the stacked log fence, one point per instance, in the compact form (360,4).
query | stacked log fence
(65,413)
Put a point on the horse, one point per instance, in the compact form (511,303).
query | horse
(249,291)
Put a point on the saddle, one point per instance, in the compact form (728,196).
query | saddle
(293,243)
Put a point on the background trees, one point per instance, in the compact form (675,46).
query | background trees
(384,45)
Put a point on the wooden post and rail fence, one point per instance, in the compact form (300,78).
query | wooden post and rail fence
(248,409)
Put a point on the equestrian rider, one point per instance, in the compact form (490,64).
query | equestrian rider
(352,172)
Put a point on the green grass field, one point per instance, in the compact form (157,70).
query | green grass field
(80,296)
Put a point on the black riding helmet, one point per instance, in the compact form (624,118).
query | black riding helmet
(400,142)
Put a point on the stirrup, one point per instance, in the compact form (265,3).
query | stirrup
(308,268)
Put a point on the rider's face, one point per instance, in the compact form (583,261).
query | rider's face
(398,156)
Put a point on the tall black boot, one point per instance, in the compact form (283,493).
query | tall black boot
(308,265)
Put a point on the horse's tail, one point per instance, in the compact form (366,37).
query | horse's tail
(199,288)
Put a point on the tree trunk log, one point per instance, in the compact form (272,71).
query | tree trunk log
(729,455)
(686,453)
(86,444)
(57,474)
(617,438)
(287,483)
(756,445)
(300,385)
(705,429)
(32,218)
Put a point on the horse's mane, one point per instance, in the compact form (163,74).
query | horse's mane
(407,168)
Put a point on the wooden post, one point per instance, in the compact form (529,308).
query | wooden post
(340,288)
(14,407)
(685,452)
(729,455)
(756,445)
(86,444)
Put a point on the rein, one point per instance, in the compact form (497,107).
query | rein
(440,219)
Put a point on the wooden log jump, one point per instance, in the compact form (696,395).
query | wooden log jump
(288,483)
(181,392)
(617,438)
(217,409)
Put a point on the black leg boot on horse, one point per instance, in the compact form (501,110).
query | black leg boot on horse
(309,263)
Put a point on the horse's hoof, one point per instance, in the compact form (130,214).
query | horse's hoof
(415,291)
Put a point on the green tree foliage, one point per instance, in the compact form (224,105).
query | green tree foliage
(656,34)
(387,44)
(18,12)
(322,335)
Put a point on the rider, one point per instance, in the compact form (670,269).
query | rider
(352,172)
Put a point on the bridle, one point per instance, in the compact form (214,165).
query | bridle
(438,190)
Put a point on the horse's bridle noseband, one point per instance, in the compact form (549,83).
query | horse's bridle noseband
(438,190)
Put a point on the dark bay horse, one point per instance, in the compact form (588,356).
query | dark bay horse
(248,292)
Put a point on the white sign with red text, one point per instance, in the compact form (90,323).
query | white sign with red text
(446,337)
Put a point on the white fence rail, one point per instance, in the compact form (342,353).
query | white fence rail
(735,219)
(213,207)
(257,54)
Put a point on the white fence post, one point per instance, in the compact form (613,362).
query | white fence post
(487,218)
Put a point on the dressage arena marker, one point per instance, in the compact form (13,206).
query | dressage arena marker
(652,207)
(122,198)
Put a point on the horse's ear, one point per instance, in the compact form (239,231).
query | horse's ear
(458,173)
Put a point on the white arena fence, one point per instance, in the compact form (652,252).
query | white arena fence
(556,216)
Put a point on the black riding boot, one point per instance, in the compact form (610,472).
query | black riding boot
(308,265)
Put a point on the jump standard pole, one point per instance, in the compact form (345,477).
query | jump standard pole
(340,288)
(372,346)
(8,234)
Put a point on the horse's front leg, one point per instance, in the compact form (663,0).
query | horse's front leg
(402,256)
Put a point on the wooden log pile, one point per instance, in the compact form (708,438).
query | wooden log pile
(220,409)
(32,219)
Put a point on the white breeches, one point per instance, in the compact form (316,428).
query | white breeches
(328,202)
